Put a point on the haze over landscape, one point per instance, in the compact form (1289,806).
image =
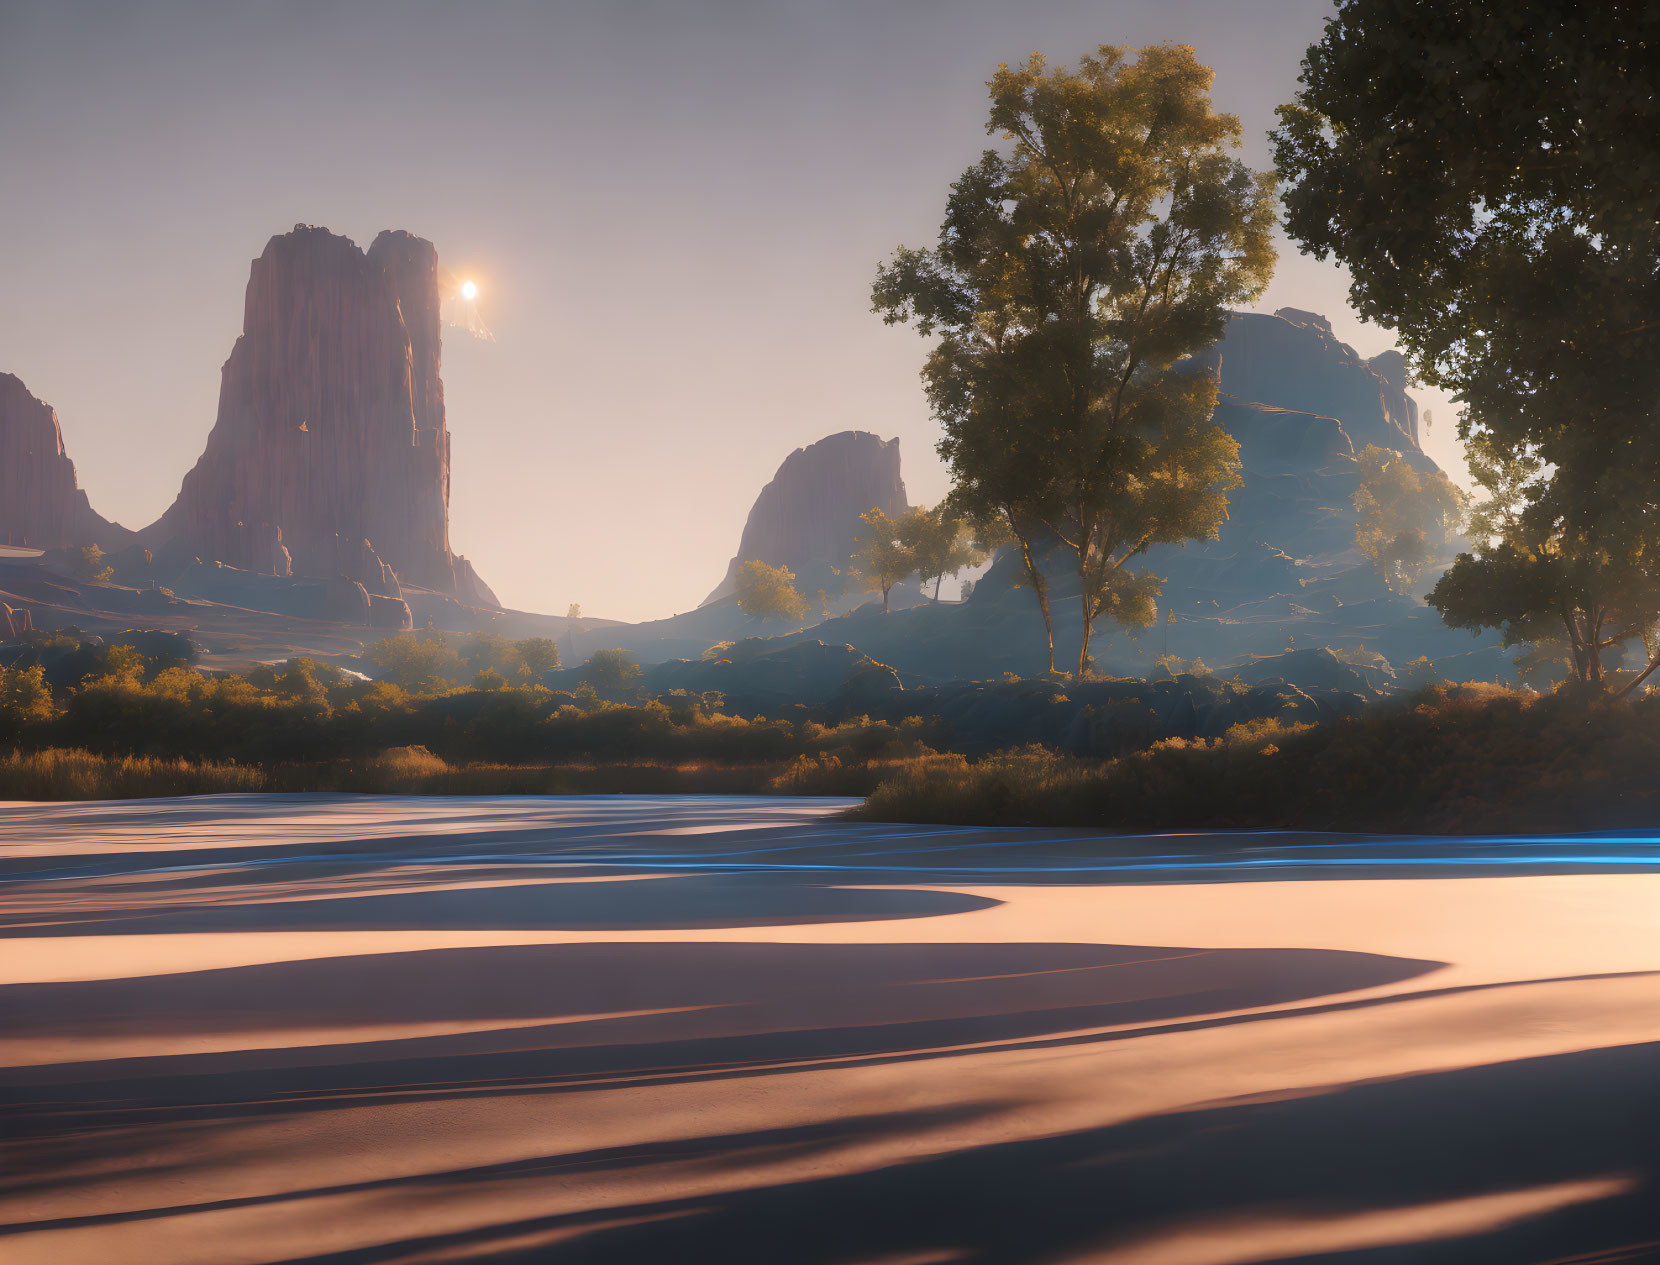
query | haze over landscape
(672,211)
(800,633)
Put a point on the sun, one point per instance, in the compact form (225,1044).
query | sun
(469,291)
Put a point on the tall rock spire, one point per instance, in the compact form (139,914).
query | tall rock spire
(330,454)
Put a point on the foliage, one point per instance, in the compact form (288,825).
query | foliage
(1554,587)
(940,543)
(419,660)
(1488,176)
(880,558)
(1076,267)
(1453,759)
(540,655)
(768,592)
(25,699)
(611,671)
(89,564)
(428,660)
(304,726)
(1402,514)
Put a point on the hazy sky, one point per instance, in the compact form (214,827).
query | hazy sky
(673,211)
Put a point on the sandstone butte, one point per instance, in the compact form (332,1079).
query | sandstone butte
(330,455)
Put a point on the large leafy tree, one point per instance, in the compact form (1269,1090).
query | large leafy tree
(1490,177)
(1077,265)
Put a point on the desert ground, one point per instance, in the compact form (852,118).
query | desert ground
(328,1029)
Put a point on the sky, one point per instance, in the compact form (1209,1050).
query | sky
(673,212)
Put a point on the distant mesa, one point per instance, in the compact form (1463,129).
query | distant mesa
(330,455)
(807,518)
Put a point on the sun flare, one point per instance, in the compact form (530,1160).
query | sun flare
(469,291)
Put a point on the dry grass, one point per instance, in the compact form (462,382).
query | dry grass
(59,774)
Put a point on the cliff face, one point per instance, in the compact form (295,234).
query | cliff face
(807,517)
(329,455)
(41,504)
(1292,360)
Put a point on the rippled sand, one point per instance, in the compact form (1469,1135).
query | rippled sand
(334,1029)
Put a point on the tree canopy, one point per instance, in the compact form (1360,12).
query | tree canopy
(1489,175)
(1076,267)
(1549,585)
(880,558)
(769,592)
(940,542)
(1402,513)
(428,659)
(611,671)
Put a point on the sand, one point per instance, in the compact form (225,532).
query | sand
(337,1029)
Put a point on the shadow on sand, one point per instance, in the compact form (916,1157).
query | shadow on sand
(576,1011)
(1422,1140)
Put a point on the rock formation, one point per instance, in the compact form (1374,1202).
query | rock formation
(1283,571)
(41,504)
(807,517)
(330,456)
(1293,360)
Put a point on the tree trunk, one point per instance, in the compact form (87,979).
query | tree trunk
(1576,645)
(1089,623)
(1593,664)
(938,580)
(1040,585)
(1086,599)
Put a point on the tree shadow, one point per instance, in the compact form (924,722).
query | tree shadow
(571,1013)
(629,904)
(1392,1145)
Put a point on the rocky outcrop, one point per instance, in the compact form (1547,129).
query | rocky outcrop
(807,517)
(41,504)
(1292,360)
(330,454)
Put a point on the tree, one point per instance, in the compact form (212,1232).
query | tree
(880,559)
(419,661)
(941,543)
(1399,509)
(574,611)
(540,655)
(1076,268)
(611,671)
(489,679)
(90,565)
(1546,583)
(489,652)
(1489,176)
(768,592)
(25,699)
